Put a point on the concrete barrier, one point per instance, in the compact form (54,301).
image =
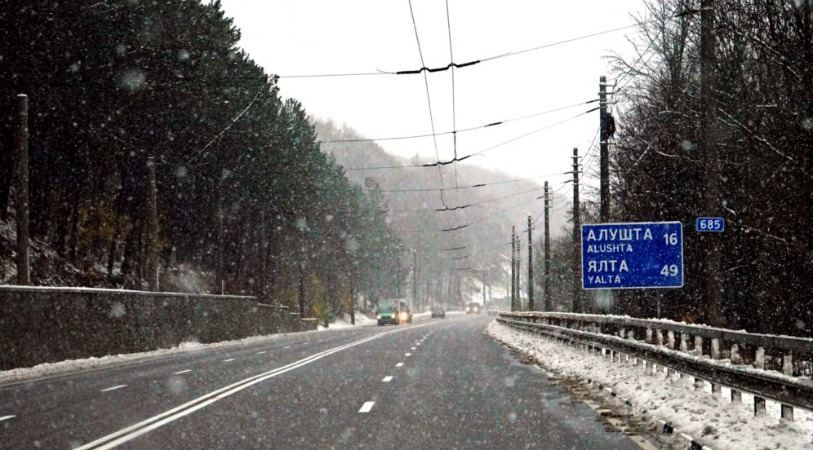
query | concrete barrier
(49,324)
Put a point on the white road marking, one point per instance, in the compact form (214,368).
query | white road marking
(181,372)
(228,360)
(366,407)
(113,388)
(399,364)
(260,353)
(143,427)
(387,379)
(286,347)
(407,354)
(413,348)
(2,418)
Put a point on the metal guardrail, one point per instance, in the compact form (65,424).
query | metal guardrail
(768,366)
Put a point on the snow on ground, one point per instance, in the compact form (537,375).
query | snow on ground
(711,419)
(362,320)
(74,365)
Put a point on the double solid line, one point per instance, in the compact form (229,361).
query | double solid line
(119,437)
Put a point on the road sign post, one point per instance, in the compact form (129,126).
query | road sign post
(636,255)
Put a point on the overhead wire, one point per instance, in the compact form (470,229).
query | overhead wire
(452,65)
(428,99)
(461,130)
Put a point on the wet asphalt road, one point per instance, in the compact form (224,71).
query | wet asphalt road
(433,384)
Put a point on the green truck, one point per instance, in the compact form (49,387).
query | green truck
(393,311)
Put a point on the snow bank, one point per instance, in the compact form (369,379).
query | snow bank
(75,365)
(362,320)
(711,419)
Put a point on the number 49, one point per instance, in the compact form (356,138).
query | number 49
(670,270)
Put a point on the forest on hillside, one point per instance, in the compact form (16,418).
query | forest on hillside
(247,202)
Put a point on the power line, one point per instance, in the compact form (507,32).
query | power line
(452,65)
(428,99)
(462,130)
(487,149)
(532,132)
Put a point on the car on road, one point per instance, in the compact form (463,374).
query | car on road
(492,310)
(439,312)
(393,311)
(473,308)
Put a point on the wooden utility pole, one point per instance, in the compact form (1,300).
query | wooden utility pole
(513,267)
(152,227)
(711,162)
(530,266)
(577,304)
(21,203)
(548,299)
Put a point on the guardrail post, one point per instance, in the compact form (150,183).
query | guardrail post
(622,333)
(715,348)
(787,363)
(716,389)
(787,413)
(649,335)
(735,354)
(759,406)
(684,342)
(736,396)
(759,358)
(698,345)
(670,339)
(659,337)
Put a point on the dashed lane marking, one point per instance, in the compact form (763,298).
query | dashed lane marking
(407,355)
(145,426)
(260,353)
(387,379)
(113,388)
(228,360)
(366,407)
(181,372)
(3,418)
(399,364)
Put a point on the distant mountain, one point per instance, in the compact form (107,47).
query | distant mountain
(488,212)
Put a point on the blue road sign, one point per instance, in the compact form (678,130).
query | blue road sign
(709,224)
(632,255)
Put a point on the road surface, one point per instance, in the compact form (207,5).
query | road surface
(434,384)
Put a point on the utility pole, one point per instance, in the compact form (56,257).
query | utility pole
(21,203)
(152,227)
(711,161)
(398,274)
(513,267)
(530,266)
(220,278)
(605,132)
(604,136)
(415,280)
(484,287)
(577,304)
(548,300)
(518,283)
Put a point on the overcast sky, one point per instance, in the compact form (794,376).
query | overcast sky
(328,36)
